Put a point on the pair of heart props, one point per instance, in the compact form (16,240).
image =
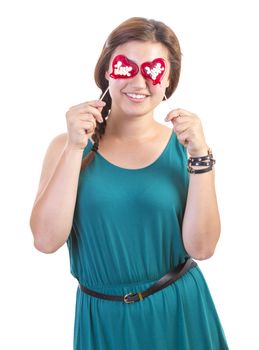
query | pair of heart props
(124,68)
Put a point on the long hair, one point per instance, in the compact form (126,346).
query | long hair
(133,29)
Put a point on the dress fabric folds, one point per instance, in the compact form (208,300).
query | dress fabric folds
(126,234)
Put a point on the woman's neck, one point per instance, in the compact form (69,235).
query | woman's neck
(130,127)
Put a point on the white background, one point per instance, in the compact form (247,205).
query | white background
(48,54)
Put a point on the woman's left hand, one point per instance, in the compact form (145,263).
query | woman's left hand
(189,131)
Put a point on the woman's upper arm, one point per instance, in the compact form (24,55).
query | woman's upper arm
(50,161)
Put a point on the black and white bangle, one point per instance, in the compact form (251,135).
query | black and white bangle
(199,171)
(208,161)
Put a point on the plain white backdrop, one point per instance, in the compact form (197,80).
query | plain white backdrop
(48,54)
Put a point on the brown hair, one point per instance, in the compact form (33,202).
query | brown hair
(137,29)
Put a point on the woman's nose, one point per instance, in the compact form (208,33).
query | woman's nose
(138,80)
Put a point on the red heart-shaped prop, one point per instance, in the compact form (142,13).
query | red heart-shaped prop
(122,67)
(154,70)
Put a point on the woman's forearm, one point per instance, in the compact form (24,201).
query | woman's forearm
(201,223)
(52,213)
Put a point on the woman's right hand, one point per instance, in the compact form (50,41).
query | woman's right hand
(81,122)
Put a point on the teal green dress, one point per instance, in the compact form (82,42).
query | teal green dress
(126,234)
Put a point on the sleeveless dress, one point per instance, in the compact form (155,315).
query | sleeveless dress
(126,234)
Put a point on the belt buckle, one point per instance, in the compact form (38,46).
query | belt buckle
(131,294)
(126,298)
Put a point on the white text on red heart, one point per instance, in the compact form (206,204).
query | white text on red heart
(155,71)
(120,70)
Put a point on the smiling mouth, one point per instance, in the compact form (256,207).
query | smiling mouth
(136,96)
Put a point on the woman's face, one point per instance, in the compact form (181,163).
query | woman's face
(137,95)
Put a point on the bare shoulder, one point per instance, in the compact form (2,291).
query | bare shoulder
(58,141)
(52,155)
(55,148)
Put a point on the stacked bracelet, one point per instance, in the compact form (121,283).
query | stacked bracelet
(207,161)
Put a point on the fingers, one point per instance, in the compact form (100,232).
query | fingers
(89,123)
(179,112)
(187,127)
(87,127)
(81,122)
(181,124)
(93,108)
(95,104)
(184,137)
(84,114)
(85,122)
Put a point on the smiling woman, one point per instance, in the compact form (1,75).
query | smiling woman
(116,189)
(143,88)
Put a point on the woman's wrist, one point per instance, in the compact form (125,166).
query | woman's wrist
(199,152)
(202,163)
(71,148)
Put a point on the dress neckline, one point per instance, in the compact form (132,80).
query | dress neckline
(136,169)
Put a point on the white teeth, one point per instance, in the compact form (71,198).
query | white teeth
(136,96)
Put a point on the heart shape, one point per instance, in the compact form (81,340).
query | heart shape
(122,67)
(154,70)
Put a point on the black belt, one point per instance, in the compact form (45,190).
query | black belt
(164,281)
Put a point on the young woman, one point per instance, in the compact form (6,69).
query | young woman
(135,202)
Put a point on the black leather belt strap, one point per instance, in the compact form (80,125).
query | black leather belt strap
(164,281)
